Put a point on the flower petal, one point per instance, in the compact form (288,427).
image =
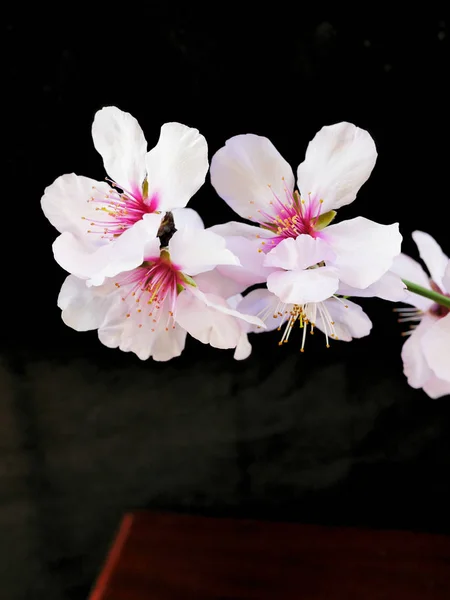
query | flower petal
(415,367)
(119,139)
(214,282)
(346,321)
(388,287)
(364,249)
(436,347)
(221,305)
(196,251)
(125,253)
(432,255)
(407,268)
(176,166)
(242,170)
(66,204)
(206,324)
(300,287)
(299,253)
(84,308)
(339,159)
(243,348)
(169,344)
(187,218)
(265,305)
(436,388)
(446,279)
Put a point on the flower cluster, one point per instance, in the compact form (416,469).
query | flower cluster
(144,271)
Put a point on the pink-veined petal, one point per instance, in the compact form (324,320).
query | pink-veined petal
(388,287)
(364,249)
(432,255)
(300,287)
(84,308)
(66,205)
(176,166)
(299,253)
(169,344)
(119,139)
(197,251)
(436,347)
(339,159)
(242,171)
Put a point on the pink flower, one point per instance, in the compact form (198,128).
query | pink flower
(426,352)
(150,308)
(142,186)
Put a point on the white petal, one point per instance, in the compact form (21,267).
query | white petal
(84,308)
(388,287)
(206,324)
(446,279)
(436,347)
(137,332)
(265,305)
(187,218)
(300,253)
(124,254)
(245,242)
(364,249)
(415,367)
(243,348)
(220,305)
(237,229)
(243,169)
(197,251)
(66,204)
(431,254)
(120,140)
(177,166)
(349,320)
(339,159)
(407,268)
(169,344)
(300,287)
(214,282)
(436,388)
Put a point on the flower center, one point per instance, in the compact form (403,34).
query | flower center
(153,286)
(305,315)
(291,217)
(121,208)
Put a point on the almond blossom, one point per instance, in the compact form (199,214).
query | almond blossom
(426,352)
(256,181)
(93,217)
(150,308)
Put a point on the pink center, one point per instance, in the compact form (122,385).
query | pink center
(290,217)
(121,209)
(153,286)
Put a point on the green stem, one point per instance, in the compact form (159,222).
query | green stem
(421,291)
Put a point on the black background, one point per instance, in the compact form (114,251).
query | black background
(332,436)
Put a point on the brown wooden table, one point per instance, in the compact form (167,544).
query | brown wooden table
(177,557)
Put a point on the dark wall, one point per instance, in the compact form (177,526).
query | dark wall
(332,436)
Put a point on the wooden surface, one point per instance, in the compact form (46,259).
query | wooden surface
(168,557)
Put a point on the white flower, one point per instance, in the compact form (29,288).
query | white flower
(426,352)
(150,308)
(338,319)
(255,180)
(93,217)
